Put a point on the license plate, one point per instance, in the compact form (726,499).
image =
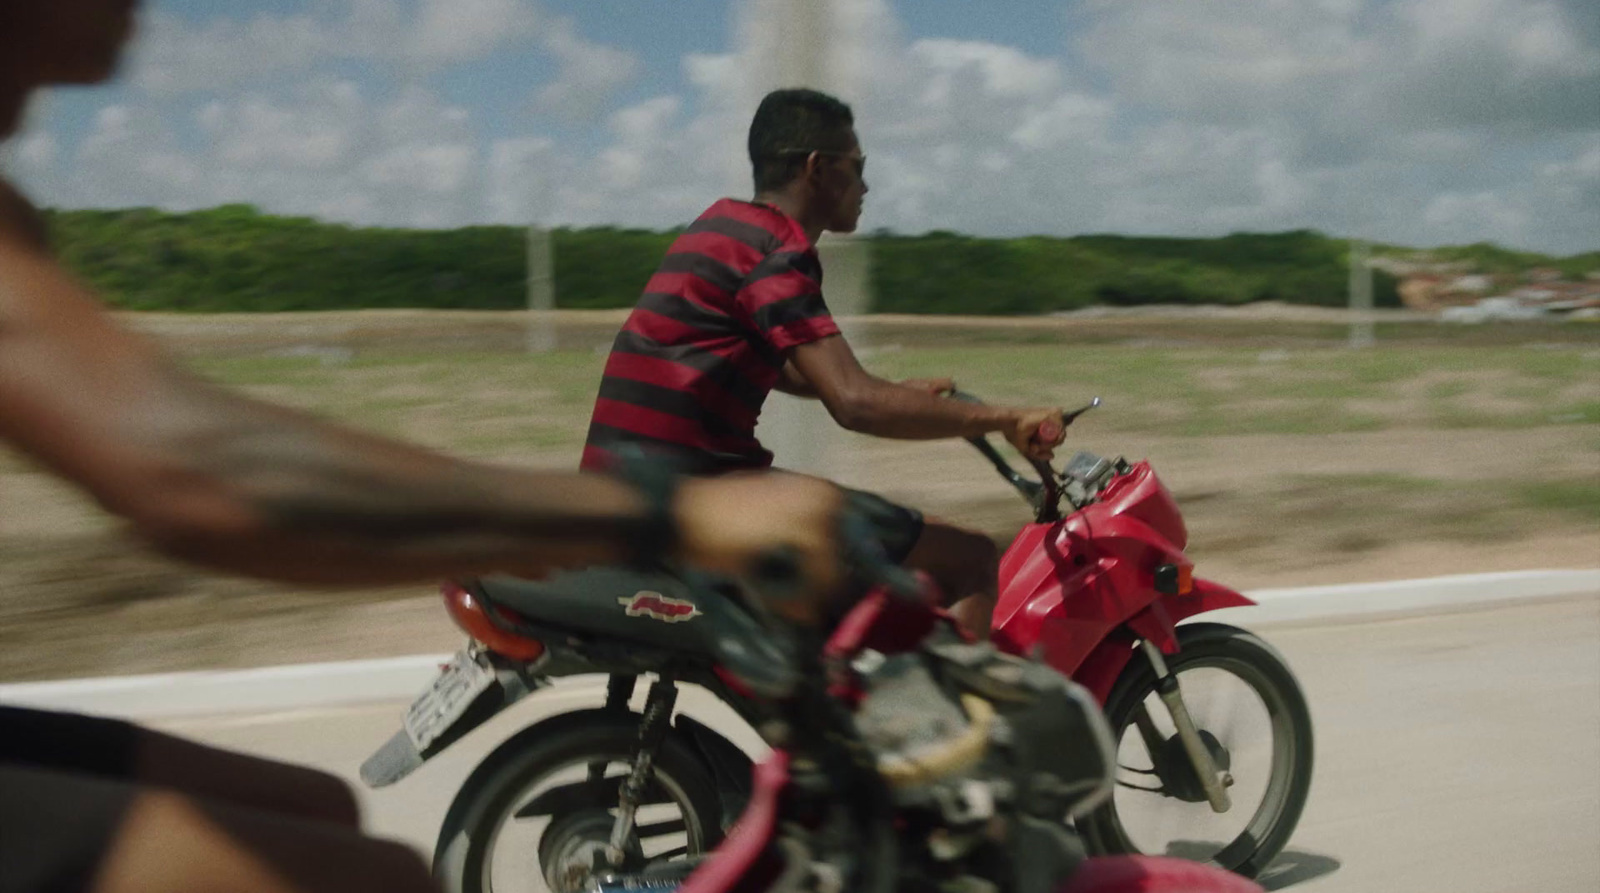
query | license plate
(458,686)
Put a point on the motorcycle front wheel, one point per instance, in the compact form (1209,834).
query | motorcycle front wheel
(491,842)
(1252,717)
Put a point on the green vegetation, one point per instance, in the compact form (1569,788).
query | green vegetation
(233,258)
(948,273)
(1581,498)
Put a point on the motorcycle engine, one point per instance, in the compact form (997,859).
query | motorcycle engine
(988,757)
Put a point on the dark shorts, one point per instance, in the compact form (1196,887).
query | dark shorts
(64,786)
(897,526)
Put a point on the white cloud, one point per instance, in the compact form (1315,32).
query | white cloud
(406,160)
(446,31)
(1485,215)
(520,179)
(412,37)
(438,168)
(997,71)
(1067,118)
(173,55)
(36,150)
(1418,121)
(589,72)
(314,136)
(1584,167)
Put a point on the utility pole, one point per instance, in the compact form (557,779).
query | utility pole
(803,33)
(1360,295)
(541,290)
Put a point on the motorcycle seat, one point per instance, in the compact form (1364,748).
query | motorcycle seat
(654,607)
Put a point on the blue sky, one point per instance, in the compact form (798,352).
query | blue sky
(1416,121)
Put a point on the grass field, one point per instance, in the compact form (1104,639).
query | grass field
(520,404)
(1295,459)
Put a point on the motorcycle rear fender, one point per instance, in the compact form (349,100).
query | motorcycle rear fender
(1157,623)
(731,768)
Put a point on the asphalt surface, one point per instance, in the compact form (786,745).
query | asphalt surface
(1456,752)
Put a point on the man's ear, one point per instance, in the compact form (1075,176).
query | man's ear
(813,166)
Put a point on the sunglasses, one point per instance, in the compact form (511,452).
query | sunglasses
(859,162)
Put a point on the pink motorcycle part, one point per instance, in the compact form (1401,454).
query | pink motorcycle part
(750,835)
(1153,874)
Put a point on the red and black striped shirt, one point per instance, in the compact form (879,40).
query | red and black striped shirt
(703,347)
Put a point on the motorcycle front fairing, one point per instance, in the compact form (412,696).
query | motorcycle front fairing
(1080,590)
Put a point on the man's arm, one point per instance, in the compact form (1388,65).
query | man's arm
(218,478)
(791,382)
(861,401)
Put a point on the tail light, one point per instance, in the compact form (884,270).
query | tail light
(471,614)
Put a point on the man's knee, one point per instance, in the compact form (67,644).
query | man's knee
(977,551)
(964,562)
(170,842)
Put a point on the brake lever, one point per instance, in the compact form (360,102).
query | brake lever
(1068,417)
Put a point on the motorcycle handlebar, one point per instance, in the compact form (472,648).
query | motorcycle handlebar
(1043,494)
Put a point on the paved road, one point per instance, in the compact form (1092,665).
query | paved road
(1456,752)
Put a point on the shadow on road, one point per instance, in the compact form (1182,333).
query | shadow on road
(1294,867)
(1290,868)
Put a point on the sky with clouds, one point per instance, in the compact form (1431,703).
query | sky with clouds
(1422,122)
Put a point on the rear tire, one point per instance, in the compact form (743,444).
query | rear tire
(1258,665)
(501,784)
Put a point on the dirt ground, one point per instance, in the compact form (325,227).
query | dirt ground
(78,599)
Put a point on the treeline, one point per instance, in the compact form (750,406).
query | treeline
(949,273)
(234,258)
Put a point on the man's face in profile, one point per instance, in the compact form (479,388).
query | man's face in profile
(844,179)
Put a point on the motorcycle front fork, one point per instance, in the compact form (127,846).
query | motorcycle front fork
(1214,783)
(652,731)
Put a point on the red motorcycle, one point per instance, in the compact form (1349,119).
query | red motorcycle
(1214,741)
(1212,735)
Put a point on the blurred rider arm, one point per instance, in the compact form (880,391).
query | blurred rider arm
(863,402)
(218,478)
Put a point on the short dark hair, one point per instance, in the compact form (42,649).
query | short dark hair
(795,119)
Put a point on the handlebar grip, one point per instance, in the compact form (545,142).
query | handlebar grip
(1049,431)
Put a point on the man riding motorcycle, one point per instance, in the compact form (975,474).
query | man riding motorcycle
(736,309)
(214,477)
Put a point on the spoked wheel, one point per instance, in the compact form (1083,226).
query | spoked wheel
(538,814)
(1252,719)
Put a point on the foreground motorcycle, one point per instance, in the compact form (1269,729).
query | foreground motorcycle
(904,758)
(1212,735)
(907,758)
